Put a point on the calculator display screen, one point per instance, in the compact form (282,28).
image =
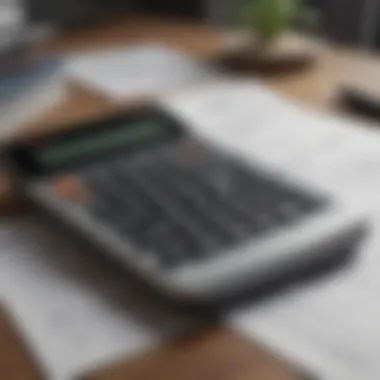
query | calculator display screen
(101,140)
(123,137)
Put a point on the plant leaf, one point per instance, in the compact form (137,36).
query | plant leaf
(270,17)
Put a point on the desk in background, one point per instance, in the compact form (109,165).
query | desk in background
(316,86)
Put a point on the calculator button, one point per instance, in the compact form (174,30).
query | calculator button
(184,210)
(71,188)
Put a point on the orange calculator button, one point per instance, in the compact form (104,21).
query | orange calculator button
(70,187)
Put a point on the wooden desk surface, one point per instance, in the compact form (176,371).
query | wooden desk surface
(212,353)
(316,87)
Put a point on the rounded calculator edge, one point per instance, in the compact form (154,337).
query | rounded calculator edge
(234,271)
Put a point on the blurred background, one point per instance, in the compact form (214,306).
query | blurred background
(71,82)
(358,26)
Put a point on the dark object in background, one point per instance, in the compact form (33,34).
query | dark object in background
(361,102)
(76,12)
(72,12)
(14,51)
(342,20)
(349,21)
(184,8)
(14,59)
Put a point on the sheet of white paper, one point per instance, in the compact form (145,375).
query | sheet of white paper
(142,70)
(330,327)
(75,313)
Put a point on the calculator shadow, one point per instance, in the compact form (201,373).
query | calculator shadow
(294,280)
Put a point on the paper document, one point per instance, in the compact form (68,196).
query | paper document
(134,71)
(331,327)
(74,312)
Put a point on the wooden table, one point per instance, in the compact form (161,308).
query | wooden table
(316,87)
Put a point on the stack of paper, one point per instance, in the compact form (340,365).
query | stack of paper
(141,70)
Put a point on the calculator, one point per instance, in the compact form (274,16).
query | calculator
(190,219)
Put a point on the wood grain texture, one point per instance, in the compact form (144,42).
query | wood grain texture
(15,361)
(215,354)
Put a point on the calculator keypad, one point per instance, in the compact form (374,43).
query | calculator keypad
(187,211)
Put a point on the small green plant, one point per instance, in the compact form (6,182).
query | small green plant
(268,19)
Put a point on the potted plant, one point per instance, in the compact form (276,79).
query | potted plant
(266,22)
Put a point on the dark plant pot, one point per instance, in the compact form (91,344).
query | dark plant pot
(284,55)
(266,65)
